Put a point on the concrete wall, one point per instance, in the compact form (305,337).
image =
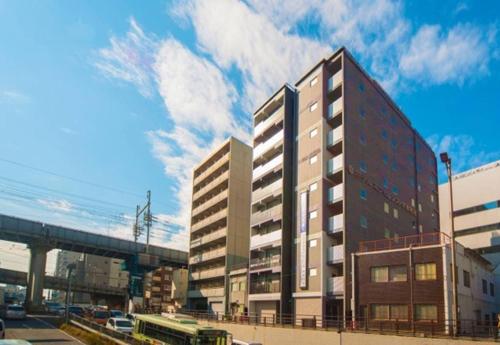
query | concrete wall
(291,336)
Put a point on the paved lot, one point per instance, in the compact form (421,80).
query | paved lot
(37,330)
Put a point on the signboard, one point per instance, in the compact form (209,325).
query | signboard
(303,238)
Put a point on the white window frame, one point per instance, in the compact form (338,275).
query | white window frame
(313,107)
(313,214)
(313,132)
(313,81)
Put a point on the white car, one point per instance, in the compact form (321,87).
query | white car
(2,329)
(120,324)
(15,311)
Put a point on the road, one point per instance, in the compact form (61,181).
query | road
(37,330)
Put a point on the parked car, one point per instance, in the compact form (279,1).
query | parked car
(116,313)
(120,324)
(2,329)
(15,311)
(74,309)
(52,307)
(100,316)
(14,342)
(130,317)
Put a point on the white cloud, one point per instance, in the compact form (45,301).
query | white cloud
(436,56)
(13,96)
(67,130)
(464,152)
(130,59)
(57,205)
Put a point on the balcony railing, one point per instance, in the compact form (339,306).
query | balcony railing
(207,255)
(261,263)
(334,136)
(206,292)
(335,193)
(336,224)
(267,145)
(265,288)
(335,81)
(336,254)
(209,220)
(335,164)
(335,286)
(267,215)
(274,118)
(257,241)
(209,238)
(334,108)
(264,169)
(274,188)
(205,274)
(424,239)
(211,169)
(209,203)
(215,182)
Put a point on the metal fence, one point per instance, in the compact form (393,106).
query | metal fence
(427,328)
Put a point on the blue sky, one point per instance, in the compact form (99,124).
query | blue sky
(103,100)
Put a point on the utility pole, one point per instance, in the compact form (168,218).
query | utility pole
(148,220)
(70,268)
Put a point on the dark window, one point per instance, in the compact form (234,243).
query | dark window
(466,279)
(478,208)
(394,166)
(386,183)
(362,194)
(362,139)
(426,271)
(361,87)
(384,134)
(385,159)
(362,113)
(362,166)
(485,287)
(492,289)
(395,190)
(393,120)
(394,143)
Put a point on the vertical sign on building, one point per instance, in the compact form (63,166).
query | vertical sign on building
(303,238)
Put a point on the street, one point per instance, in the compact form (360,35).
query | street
(37,330)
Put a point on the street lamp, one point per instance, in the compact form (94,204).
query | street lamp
(447,162)
(70,268)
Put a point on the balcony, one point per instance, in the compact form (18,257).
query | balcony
(336,254)
(274,119)
(335,193)
(206,292)
(335,108)
(209,220)
(206,274)
(256,288)
(268,144)
(209,203)
(221,233)
(213,254)
(336,224)
(335,165)
(271,214)
(223,160)
(334,136)
(258,241)
(262,170)
(335,81)
(271,190)
(211,185)
(335,285)
(263,263)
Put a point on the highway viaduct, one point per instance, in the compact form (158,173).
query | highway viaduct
(41,238)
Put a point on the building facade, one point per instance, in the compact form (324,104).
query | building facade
(272,205)
(179,288)
(238,291)
(408,280)
(158,290)
(476,199)
(64,258)
(220,219)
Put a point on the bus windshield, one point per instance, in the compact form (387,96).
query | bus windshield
(211,337)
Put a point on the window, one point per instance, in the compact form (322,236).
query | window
(362,139)
(492,290)
(412,202)
(387,233)
(485,287)
(379,274)
(420,228)
(393,121)
(385,159)
(362,166)
(386,183)
(379,311)
(425,312)
(362,113)
(399,312)
(313,215)
(312,272)
(313,159)
(386,207)
(363,222)
(313,133)
(234,286)
(394,143)
(313,106)
(425,271)
(313,243)
(432,198)
(395,213)
(395,190)
(361,87)
(313,81)
(313,186)
(419,207)
(362,194)
(384,134)
(397,273)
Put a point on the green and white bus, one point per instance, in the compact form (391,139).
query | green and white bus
(176,329)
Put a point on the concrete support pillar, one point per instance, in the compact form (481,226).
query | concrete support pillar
(36,276)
